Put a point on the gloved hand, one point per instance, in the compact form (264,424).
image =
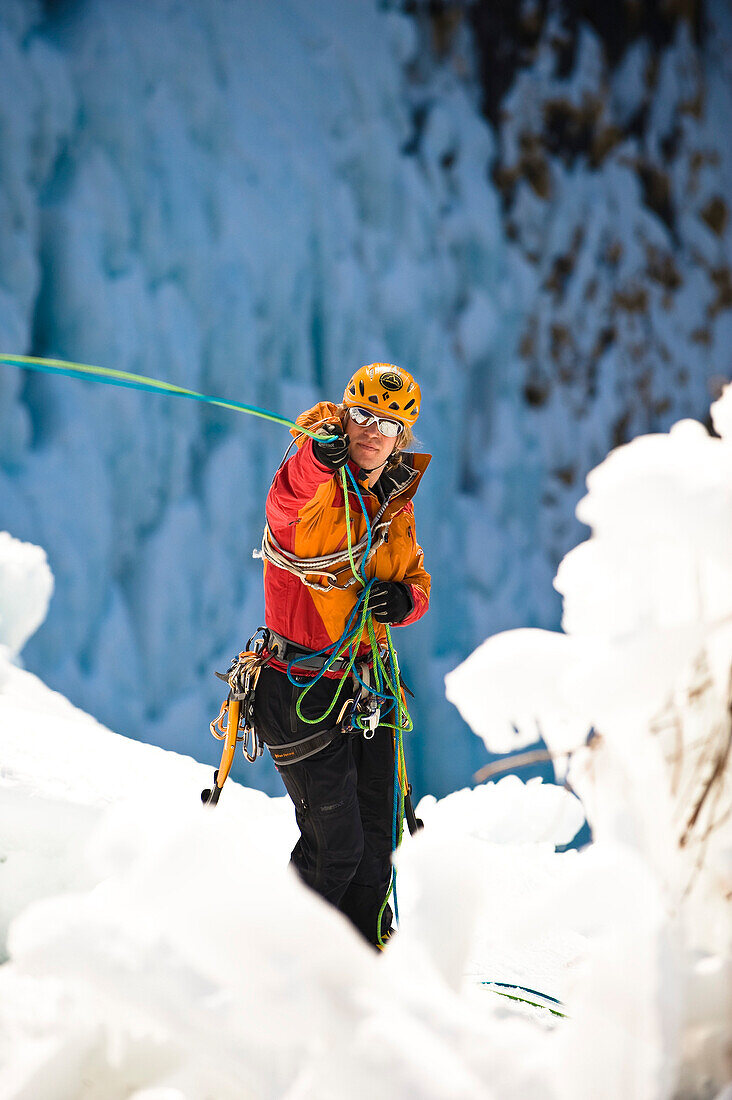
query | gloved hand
(390,601)
(333,454)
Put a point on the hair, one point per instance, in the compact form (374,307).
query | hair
(405,441)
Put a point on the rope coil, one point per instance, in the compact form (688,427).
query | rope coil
(328,565)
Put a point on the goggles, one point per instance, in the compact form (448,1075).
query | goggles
(389,428)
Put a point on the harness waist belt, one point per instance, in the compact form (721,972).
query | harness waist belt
(295,751)
(285,650)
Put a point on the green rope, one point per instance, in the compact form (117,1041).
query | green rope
(356,634)
(381,676)
(139,382)
(525,1000)
(399,762)
(347,643)
(400,770)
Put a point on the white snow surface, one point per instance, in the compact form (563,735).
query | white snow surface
(26,585)
(636,697)
(157,948)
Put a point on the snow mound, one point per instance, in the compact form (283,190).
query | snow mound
(26,585)
(637,694)
(153,942)
(509,690)
(507,812)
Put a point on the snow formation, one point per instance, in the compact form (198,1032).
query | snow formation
(645,668)
(26,584)
(155,948)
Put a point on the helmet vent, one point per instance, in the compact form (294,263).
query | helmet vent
(382,386)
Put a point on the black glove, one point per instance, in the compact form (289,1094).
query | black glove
(390,601)
(333,454)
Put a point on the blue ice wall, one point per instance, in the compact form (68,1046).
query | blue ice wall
(253,200)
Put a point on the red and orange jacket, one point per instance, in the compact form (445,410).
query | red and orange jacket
(306,516)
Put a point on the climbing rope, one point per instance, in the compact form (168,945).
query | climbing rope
(127,380)
(386,677)
(400,788)
(358,556)
(519,993)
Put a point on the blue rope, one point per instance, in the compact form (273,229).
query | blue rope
(397,790)
(364,509)
(334,646)
(127,380)
(394,705)
(525,1000)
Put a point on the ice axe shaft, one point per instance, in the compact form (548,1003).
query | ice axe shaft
(211,797)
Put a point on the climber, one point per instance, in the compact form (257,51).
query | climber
(341,779)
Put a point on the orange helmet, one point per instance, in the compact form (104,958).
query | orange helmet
(390,390)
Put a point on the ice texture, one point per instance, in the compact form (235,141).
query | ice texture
(254,202)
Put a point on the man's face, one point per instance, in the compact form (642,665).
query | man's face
(369,448)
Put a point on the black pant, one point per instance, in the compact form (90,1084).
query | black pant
(343,797)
